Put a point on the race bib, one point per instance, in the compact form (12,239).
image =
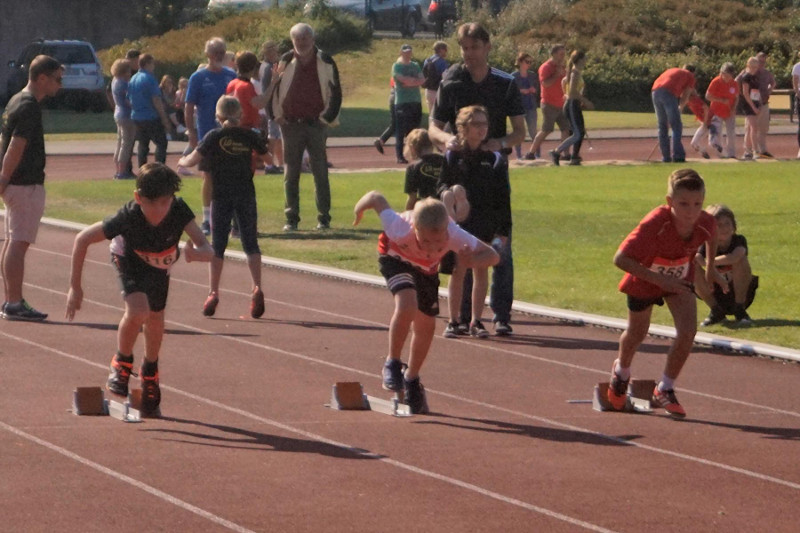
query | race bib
(163,260)
(676,268)
(755,95)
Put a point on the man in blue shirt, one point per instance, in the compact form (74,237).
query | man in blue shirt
(147,111)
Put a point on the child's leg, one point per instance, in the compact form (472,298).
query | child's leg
(215,273)
(741,276)
(153,335)
(461,205)
(137,311)
(684,313)
(455,290)
(634,334)
(405,309)
(254,264)
(421,338)
(480,286)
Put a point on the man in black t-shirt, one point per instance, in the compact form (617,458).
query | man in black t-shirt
(22,158)
(474,82)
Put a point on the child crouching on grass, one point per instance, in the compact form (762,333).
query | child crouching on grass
(411,246)
(144,235)
(658,260)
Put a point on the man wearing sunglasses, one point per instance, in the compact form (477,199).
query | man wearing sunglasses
(22,158)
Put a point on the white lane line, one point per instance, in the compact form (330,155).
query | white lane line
(161,495)
(285,427)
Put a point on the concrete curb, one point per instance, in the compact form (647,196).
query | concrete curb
(703,339)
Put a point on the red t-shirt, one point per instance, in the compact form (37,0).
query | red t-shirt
(304,98)
(244,91)
(675,80)
(656,245)
(698,107)
(553,95)
(719,88)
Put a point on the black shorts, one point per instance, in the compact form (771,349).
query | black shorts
(728,301)
(640,304)
(154,283)
(401,275)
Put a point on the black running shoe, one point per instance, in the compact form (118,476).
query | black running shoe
(415,397)
(502,328)
(151,392)
(22,311)
(393,375)
(121,370)
(716,316)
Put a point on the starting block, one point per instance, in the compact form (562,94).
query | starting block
(349,396)
(639,393)
(91,401)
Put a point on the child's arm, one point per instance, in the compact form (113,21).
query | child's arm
(91,235)
(191,160)
(668,283)
(712,274)
(371,200)
(739,253)
(197,247)
(482,256)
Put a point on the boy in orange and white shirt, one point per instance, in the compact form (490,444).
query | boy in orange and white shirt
(658,260)
(723,91)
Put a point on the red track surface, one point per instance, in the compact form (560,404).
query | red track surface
(246,444)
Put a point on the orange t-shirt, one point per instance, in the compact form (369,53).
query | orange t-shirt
(244,91)
(719,88)
(675,80)
(553,95)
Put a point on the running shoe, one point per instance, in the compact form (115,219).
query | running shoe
(151,392)
(476,329)
(257,303)
(502,328)
(22,311)
(121,370)
(289,227)
(378,146)
(206,227)
(617,391)
(742,318)
(575,161)
(718,148)
(669,402)
(555,157)
(415,397)
(210,306)
(393,375)
(766,155)
(716,316)
(451,331)
(705,154)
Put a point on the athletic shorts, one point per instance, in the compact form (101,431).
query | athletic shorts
(640,304)
(154,283)
(24,210)
(728,301)
(401,275)
(552,115)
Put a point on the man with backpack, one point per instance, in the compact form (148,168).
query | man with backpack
(432,69)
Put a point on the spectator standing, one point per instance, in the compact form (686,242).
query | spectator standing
(168,92)
(574,109)
(390,129)
(305,101)
(22,157)
(750,106)
(126,129)
(206,85)
(671,92)
(433,68)
(551,74)
(796,87)
(475,83)
(269,60)
(408,78)
(528,83)
(147,111)
(766,84)
(722,93)
(243,89)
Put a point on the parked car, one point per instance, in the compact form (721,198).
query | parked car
(83,84)
(239,4)
(404,16)
(440,17)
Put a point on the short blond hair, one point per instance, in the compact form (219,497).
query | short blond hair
(685,178)
(229,110)
(120,67)
(417,142)
(431,214)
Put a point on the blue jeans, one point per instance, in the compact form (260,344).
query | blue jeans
(668,113)
(501,294)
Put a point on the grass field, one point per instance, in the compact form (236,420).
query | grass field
(567,225)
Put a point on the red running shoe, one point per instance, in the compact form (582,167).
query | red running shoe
(210,307)
(669,402)
(617,391)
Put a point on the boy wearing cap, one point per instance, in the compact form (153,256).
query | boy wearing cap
(722,93)
(408,78)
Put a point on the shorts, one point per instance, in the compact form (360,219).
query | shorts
(552,115)
(640,304)
(273,130)
(154,283)
(401,275)
(24,210)
(728,301)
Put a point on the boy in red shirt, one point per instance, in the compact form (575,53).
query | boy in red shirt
(658,260)
(723,92)
(703,115)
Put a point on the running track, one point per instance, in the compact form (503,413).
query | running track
(247,445)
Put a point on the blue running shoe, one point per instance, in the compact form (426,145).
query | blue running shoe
(393,375)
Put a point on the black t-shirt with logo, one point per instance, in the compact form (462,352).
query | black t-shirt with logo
(422,176)
(23,118)
(227,155)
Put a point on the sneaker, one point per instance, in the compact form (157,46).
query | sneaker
(402,161)
(378,146)
(289,227)
(555,157)
(451,331)
(502,328)
(742,318)
(766,155)
(323,226)
(476,329)
(206,227)
(718,148)
(415,397)
(463,328)
(120,375)
(393,375)
(210,305)
(3,310)
(679,160)
(181,129)
(617,391)
(530,156)
(716,316)
(705,155)
(257,303)
(151,392)
(272,169)
(183,171)
(575,161)
(747,157)
(22,311)
(669,402)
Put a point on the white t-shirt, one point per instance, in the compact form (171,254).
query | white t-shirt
(796,72)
